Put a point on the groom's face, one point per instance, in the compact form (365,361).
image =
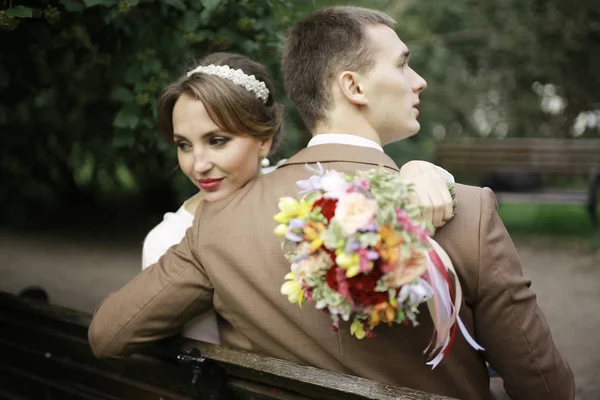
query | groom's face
(391,87)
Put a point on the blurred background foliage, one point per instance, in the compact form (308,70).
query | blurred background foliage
(79,81)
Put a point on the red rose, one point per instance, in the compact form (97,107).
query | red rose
(327,207)
(361,287)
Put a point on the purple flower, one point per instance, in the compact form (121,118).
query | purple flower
(297,223)
(352,246)
(294,237)
(310,185)
(372,255)
(372,227)
(301,257)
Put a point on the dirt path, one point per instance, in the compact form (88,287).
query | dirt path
(79,272)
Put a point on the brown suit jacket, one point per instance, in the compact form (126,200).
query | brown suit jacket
(231,260)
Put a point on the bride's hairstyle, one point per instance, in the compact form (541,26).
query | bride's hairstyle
(243,108)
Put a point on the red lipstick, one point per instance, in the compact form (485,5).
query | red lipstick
(209,184)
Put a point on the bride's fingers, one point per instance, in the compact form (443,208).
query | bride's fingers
(427,207)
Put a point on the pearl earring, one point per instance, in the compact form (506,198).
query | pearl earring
(265,162)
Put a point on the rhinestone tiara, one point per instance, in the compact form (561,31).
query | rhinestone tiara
(237,76)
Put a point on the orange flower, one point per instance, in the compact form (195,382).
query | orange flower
(383,310)
(389,237)
(406,270)
(388,246)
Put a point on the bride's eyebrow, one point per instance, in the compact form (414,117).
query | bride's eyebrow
(179,136)
(212,133)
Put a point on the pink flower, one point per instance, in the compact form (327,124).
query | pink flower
(421,233)
(358,184)
(408,226)
(403,219)
(365,262)
(354,211)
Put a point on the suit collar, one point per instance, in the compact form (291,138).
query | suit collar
(327,153)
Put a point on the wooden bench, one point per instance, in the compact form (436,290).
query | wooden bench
(516,169)
(44,354)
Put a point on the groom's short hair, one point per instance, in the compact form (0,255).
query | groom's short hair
(320,46)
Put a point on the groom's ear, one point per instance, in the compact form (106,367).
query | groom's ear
(349,83)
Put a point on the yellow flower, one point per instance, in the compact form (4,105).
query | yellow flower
(281,230)
(357,329)
(310,233)
(289,205)
(304,208)
(282,218)
(292,289)
(351,263)
(316,244)
(344,260)
(352,271)
(290,208)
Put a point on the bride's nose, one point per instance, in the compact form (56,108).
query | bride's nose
(202,163)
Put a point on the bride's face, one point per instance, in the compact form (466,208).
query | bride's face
(217,162)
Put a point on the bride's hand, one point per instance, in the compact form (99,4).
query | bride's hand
(430,191)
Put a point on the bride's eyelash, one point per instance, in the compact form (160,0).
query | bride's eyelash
(182,145)
(219,140)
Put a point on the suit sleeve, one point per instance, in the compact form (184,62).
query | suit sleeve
(155,304)
(509,324)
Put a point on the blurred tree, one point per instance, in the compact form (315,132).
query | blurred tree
(79,85)
(482,61)
(79,81)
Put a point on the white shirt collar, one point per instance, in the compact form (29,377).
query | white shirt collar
(342,138)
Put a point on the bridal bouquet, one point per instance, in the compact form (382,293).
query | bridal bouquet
(362,253)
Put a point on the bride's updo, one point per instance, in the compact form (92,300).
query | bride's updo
(232,107)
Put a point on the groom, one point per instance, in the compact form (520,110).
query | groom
(348,73)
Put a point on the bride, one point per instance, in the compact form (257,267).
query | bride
(223,118)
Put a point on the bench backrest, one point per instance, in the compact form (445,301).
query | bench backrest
(45,354)
(548,156)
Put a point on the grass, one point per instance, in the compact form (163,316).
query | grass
(550,220)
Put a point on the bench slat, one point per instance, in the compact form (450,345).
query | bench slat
(29,331)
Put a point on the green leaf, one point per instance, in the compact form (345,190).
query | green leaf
(250,46)
(123,141)
(178,4)
(191,22)
(210,5)
(72,5)
(106,3)
(154,65)
(121,94)
(127,117)
(19,12)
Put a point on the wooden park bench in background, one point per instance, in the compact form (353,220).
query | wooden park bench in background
(517,169)
(44,354)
